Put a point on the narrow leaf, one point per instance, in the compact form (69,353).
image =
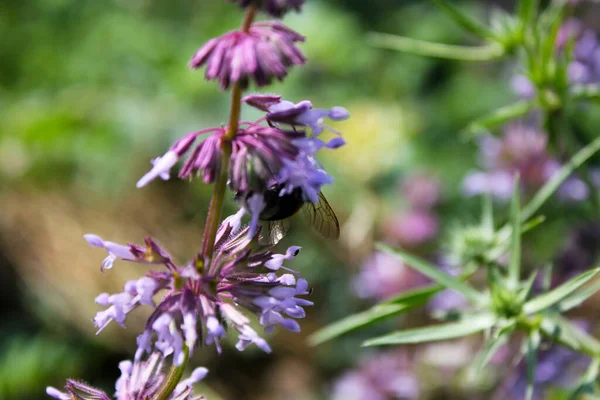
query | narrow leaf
(586,92)
(514,265)
(359,320)
(469,325)
(490,349)
(527,10)
(497,117)
(588,382)
(462,19)
(439,50)
(434,273)
(533,343)
(557,294)
(553,184)
(559,329)
(559,178)
(577,298)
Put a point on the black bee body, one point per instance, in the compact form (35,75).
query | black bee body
(281,207)
(278,209)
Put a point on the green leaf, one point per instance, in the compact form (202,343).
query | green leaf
(360,320)
(490,349)
(533,343)
(526,286)
(500,116)
(469,325)
(559,329)
(434,273)
(439,50)
(552,185)
(527,10)
(589,381)
(462,19)
(514,265)
(487,215)
(578,297)
(586,92)
(559,178)
(557,294)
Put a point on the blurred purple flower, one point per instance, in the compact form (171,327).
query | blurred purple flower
(523,150)
(201,295)
(421,191)
(265,52)
(276,8)
(411,229)
(385,376)
(556,367)
(138,380)
(382,275)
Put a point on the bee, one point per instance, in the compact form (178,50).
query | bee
(278,210)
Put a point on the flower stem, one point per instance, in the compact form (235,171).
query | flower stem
(173,379)
(216,202)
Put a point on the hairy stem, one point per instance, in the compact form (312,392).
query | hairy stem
(173,379)
(216,202)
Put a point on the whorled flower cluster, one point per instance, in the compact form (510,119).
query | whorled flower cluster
(262,54)
(280,154)
(139,380)
(201,298)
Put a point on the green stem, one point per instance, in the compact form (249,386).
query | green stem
(217,200)
(488,52)
(216,204)
(173,379)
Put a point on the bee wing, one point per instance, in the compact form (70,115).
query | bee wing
(322,217)
(274,231)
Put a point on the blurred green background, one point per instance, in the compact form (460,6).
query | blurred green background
(91,90)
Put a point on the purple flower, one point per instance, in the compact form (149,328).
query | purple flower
(412,228)
(138,381)
(297,115)
(265,52)
(382,275)
(384,376)
(523,150)
(151,254)
(421,191)
(200,296)
(277,8)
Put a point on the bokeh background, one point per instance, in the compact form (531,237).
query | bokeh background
(91,90)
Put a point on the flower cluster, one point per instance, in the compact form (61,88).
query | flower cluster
(203,296)
(234,276)
(280,154)
(522,150)
(138,381)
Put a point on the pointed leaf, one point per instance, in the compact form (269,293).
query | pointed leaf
(559,329)
(465,21)
(498,117)
(553,184)
(533,344)
(514,265)
(577,298)
(490,349)
(468,325)
(439,50)
(359,320)
(557,294)
(559,178)
(434,273)
(589,381)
